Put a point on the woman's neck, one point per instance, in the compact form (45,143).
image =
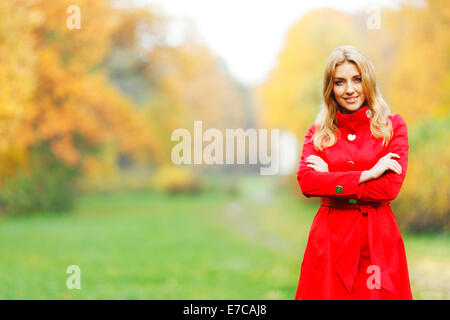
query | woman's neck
(345,111)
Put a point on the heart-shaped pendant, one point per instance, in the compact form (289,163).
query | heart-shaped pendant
(351,137)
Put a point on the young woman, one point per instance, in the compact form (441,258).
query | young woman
(355,157)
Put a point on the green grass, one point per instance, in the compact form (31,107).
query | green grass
(156,246)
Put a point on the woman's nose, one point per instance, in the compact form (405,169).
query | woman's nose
(349,89)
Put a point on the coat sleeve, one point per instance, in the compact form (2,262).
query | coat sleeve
(388,185)
(324,184)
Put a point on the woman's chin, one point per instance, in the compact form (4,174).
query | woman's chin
(351,107)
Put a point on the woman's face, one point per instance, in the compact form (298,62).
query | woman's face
(347,87)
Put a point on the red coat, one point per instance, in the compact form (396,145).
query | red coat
(354,233)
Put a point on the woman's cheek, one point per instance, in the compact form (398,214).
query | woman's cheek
(337,92)
(361,91)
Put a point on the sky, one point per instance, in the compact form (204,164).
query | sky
(246,34)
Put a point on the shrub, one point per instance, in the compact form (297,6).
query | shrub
(43,187)
(174,179)
(423,203)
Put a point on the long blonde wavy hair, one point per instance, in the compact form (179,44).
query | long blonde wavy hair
(327,132)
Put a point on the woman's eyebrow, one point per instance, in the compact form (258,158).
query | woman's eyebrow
(355,76)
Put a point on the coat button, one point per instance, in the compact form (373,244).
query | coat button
(351,137)
(338,189)
(350,163)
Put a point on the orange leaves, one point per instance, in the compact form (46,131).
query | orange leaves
(17,81)
(64,149)
(57,89)
(53,89)
(70,99)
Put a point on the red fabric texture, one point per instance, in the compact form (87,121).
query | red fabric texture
(349,240)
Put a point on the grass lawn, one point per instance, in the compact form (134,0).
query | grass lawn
(157,246)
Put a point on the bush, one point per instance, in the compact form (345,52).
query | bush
(44,187)
(424,201)
(174,179)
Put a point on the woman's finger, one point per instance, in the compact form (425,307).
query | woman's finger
(315,161)
(391,154)
(313,157)
(398,166)
(396,169)
(319,160)
(313,166)
(394,166)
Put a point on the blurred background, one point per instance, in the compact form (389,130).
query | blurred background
(91,91)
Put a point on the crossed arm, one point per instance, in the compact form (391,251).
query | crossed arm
(384,163)
(381,182)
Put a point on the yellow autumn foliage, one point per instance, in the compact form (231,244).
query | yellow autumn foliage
(411,56)
(175,179)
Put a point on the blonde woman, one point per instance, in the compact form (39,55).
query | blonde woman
(354,157)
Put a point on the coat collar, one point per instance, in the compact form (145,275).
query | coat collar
(354,120)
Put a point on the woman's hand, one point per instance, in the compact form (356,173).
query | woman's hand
(317,163)
(385,163)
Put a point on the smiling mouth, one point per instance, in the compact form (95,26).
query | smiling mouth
(351,99)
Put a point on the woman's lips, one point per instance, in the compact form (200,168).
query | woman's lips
(351,99)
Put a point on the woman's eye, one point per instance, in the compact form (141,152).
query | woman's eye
(339,82)
(358,79)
